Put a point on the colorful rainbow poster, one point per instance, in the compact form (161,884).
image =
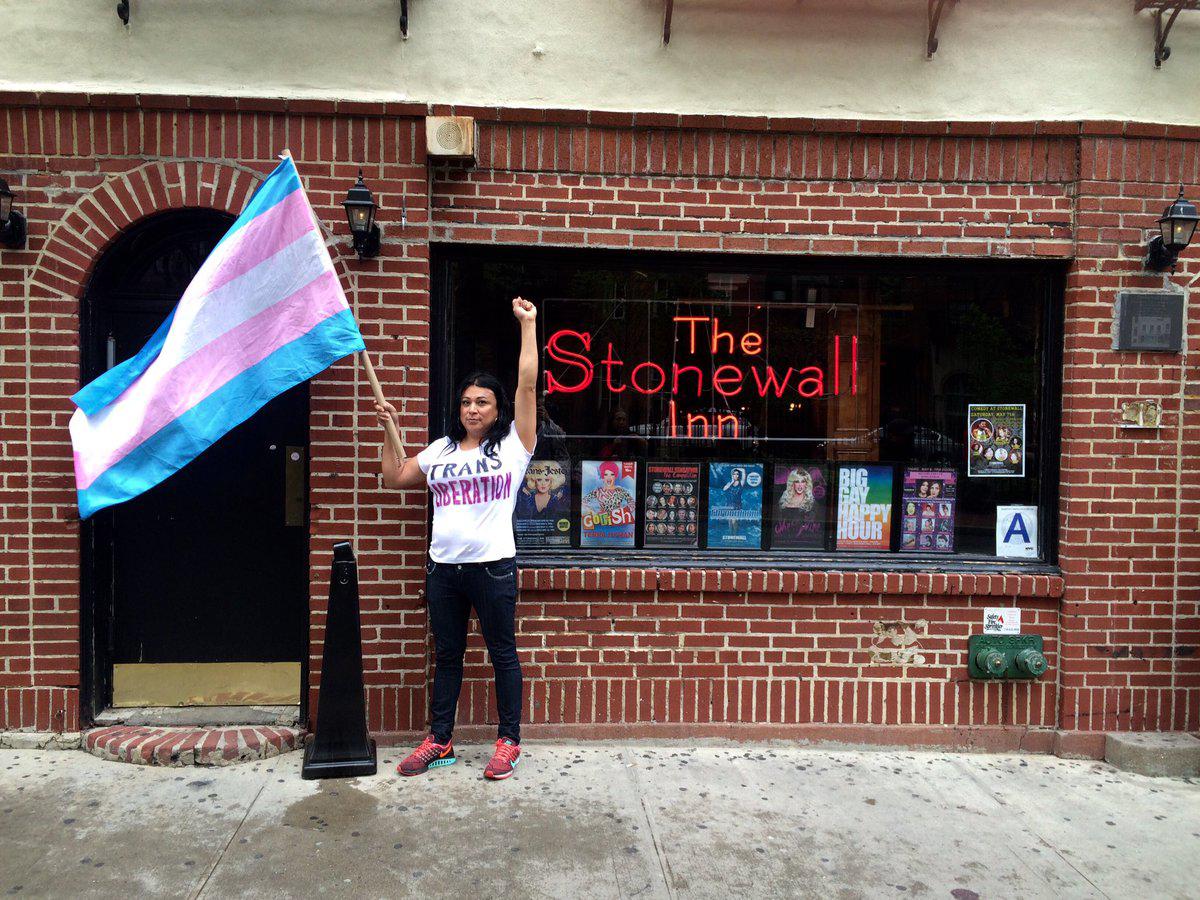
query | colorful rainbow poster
(864,507)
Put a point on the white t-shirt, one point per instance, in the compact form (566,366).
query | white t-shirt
(473,499)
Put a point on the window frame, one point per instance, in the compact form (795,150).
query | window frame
(443,372)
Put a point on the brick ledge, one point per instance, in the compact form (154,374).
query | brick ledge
(604,118)
(1001,585)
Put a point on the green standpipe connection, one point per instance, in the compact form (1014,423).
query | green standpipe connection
(1031,662)
(990,661)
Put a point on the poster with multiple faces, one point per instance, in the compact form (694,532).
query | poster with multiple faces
(864,507)
(798,507)
(735,495)
(608,504)
(542,516)
(927,501)
(672,513)
(996,440)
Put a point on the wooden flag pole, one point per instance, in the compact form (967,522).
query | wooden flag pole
(389,425)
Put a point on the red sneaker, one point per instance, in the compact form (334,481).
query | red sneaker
(504,760)
(428,756)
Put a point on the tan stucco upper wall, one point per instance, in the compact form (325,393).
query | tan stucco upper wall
(999,59)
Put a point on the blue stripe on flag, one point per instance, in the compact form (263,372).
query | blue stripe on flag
(96,395)
(283,181)
(175,445)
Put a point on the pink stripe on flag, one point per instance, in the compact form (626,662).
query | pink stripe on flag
(261,238)
(168,395)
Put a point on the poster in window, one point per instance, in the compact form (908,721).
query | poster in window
(927,502)
(608,505)
(864,507)
(672,509)
(542,517)
(735,494)
(798,507)
(996,440)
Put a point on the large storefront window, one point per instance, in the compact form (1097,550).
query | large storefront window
(737,411)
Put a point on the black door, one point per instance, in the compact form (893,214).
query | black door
(209,567)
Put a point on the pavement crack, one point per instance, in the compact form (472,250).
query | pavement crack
(663,866)
(1078,871)
(195,895)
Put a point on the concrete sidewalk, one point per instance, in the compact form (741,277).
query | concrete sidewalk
(602,820)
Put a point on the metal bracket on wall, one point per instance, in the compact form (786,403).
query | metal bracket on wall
(933,17)
(404,18)
(1161,31)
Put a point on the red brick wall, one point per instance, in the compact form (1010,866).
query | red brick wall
(1129,544)
(806,193)
(703,647)
(635,649)
(82,176)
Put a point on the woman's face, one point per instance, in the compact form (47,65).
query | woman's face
(477,410)
(542,483)
(610,477)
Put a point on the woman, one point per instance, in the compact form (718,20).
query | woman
(798,491)
(474,474)
(544,495)
(733,490)
(610,496)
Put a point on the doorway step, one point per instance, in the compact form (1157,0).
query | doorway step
(194,736)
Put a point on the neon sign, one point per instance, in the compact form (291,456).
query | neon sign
(577,363)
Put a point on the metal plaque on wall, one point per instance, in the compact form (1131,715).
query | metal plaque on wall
(1148,320)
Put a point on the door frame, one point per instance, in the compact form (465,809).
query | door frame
(96,604)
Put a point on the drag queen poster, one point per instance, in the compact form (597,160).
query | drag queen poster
(735,492)
(608,507)
(542,517)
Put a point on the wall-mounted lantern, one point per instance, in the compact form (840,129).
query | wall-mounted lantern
(1176,228)
(12,223)
(360,213)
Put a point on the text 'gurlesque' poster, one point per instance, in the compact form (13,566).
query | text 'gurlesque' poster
(996,440)
(798,520)
(927,502)
(864,507)
(542,516)
(735,493)
(608,505)
(672,514)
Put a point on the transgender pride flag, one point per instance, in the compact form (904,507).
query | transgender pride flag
(264,313)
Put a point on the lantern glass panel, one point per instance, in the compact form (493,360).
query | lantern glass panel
(6,200)
(1184,229)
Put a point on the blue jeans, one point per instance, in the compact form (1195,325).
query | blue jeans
(491,588)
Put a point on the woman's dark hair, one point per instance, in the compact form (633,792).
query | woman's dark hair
(504,412)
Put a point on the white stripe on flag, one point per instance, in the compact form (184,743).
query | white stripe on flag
(204,319)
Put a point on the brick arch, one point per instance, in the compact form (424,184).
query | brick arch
(82,235)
